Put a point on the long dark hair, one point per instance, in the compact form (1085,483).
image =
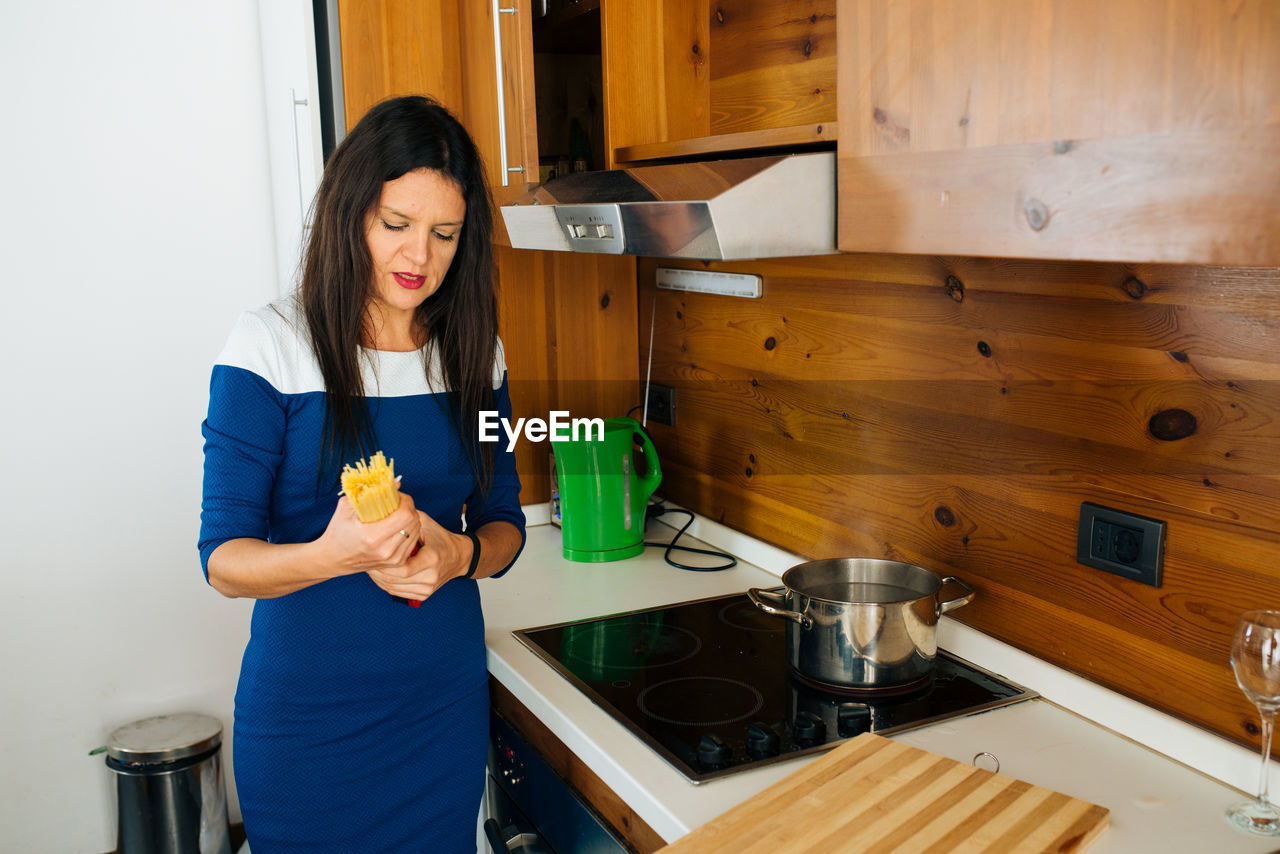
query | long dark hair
(460,319)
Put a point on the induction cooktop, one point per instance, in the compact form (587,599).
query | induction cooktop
(707,686)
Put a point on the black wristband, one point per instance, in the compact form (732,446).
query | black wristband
(475,553)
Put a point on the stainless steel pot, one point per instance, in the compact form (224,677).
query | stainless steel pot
(861,623)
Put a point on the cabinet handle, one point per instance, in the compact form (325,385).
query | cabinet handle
(498,12)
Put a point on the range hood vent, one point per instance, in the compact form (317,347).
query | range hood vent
(720,210)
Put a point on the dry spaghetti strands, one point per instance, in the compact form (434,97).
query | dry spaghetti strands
(371,488)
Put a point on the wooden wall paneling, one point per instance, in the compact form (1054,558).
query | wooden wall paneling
(920,331)
(1240,290)
(391,48)
(526,324)
(772,97)
(596,334)
(850,412)
(1104,648)
(569,327)
(1098,641)
(750,34)
(866,428)
(772,64)
(1233,501)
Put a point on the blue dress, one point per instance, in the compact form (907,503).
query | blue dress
(360,723)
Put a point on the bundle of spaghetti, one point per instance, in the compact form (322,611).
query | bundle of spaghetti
(371,488)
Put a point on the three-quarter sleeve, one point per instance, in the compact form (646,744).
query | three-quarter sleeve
(502,503)
(243,441)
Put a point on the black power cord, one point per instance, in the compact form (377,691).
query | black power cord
(656,510)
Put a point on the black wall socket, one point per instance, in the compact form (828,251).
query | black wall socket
(1125,544)
(662,404)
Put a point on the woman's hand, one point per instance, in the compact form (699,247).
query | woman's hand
(441,556)
(351,546)
(261,570)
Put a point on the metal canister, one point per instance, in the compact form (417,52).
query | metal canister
(169,786)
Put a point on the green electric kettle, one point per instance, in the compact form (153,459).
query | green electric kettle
(603,490)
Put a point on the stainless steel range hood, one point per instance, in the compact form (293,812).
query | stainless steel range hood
(758,207)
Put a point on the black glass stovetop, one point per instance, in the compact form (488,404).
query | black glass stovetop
(706,684)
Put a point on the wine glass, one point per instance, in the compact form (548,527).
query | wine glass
(1255,658)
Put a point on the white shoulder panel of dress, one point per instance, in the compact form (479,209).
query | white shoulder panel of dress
(272,342)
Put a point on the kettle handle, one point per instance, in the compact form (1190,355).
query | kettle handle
(652,470)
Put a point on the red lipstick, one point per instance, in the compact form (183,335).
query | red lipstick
(409,282)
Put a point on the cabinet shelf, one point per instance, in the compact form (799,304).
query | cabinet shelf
(797,136)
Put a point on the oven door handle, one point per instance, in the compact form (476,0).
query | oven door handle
(525,841)
(494,834)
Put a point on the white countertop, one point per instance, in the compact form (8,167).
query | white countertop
(1156,804)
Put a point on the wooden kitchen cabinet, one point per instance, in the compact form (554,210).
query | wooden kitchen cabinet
(1120,130)
(644,81)
(449,49)
(687,78)
(499,113)
(692,78)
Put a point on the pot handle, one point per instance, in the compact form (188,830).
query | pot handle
(952,604)
(757,596)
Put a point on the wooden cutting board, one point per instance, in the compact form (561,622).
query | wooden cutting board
(875,796)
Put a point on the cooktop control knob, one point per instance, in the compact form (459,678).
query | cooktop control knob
(762,741)
(713,752)
(853,719)
(808,730)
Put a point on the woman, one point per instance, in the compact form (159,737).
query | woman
(361,722)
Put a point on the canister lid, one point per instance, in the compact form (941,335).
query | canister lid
(165,738)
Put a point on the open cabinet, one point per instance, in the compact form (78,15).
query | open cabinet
(568,322)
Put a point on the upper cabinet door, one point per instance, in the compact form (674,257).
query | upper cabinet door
(1119,130)
(498,91)
(452,51)
(394,48)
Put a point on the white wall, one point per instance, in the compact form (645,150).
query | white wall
(136,223)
